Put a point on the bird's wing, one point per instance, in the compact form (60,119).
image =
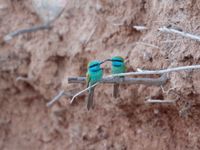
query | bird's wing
(88,78)
(125,68)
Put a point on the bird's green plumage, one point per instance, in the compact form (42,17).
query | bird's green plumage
(118,66)
(94,74)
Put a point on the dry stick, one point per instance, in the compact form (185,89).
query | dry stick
(148,72)
(23,79)
(11,35)
(184,34)
(147,81)
(109,80)
(140,28)
(159,101)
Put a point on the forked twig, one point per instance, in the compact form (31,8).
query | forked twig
(79,93)
(147,81)
(61,93)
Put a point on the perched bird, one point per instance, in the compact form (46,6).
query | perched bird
(94,74)
(118,66)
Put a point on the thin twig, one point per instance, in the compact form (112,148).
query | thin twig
(184,34)
(90,36)
(11,35)
(147,44)
(26,79)
(79,93)
(140,28)
(56,98)
(148,72)
(159,101)
(110,80)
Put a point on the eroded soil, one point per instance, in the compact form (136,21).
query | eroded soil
(99,29)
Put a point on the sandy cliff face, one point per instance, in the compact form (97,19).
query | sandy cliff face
(98,29)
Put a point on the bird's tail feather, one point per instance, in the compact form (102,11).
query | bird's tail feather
(90,98)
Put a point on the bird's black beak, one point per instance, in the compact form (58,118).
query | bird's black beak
(105,61)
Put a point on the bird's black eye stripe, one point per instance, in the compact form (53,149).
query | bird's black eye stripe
(93,65)
(117,60)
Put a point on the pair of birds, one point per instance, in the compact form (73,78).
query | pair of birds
(95,74)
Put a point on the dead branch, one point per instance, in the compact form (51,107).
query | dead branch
(68,94)
(163,71)
(147,81)
(110,80)
(62,93)
(182,33)
(11,35)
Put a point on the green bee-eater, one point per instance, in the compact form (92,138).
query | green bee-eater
(118,66)
(94,74)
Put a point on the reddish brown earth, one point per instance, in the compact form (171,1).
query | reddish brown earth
(98,29)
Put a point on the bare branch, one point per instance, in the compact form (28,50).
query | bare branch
(147,81)
(109,80)
(11,35)
(182,33)
(148,72)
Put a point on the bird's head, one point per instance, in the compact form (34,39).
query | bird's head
(94,66)
(117,61)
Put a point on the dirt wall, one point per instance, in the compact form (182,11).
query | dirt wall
(99,29)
